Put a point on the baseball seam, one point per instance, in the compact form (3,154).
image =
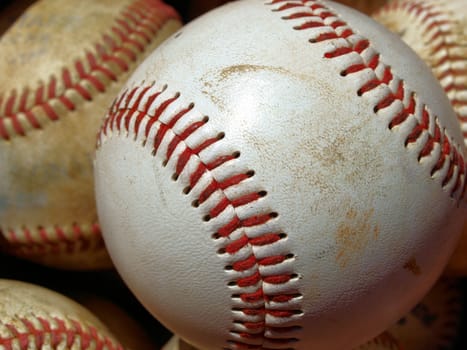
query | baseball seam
(447,53)
(128,37)
(57,240)
(178,134)
(398,106)
(133,30)
(37,332)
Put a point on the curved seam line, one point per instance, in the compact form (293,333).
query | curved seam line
(128,47)
(450,156)
(57,336)
(424,8)
(119,118)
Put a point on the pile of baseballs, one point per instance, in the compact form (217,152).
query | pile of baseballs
(251,174)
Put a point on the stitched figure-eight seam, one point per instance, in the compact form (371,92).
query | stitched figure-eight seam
(132,31)
(143,113)
(398,105)
(41,240)
(37,332)
(446,48)
(178,134)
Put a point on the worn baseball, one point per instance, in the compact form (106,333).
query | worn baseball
(36,318)
(280,175)
(365,6)
(62,64)
(437,31)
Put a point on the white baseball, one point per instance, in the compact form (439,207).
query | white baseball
(280,175)
(36,318)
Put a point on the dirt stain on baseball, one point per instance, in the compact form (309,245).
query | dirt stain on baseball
(217,83)
(244,68)
(413,267)
(353,234)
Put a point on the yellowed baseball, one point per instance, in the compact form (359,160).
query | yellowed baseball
(364,6)
(36,318)
(437,31)
(62,64)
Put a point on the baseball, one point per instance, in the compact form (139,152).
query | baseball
(62,63)
(437,31)
(33,318)
(275,176)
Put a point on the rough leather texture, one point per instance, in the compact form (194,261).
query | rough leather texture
(273,170)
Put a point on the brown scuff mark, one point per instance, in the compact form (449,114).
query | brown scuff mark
(413,267)
(244,68)
(353,235)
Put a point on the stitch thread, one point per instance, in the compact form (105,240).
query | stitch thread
(445,49)
(155,118)
(132,32)
(54,333)
(143,112)
(40,240)
(29,110)
(324,26)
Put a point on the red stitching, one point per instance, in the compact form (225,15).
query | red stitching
(438,29)
(55,335)
(134,28)
(450,158)
(135,105)
(23,242)
(156,124)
